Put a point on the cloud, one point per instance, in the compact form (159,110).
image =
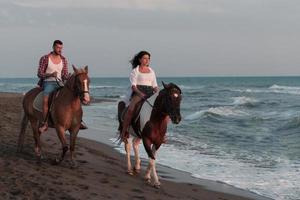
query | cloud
(152,5)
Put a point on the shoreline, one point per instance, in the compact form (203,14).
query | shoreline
(99,164)
(172,174)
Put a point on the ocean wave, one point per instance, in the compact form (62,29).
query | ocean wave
(104,86)
(225,111)
(104,99)
(245,101)
(190,87)
(285,89)
(272,89)
(293,123)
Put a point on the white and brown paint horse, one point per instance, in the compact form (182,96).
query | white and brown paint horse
(166,106)
(66,113)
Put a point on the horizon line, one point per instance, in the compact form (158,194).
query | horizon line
(184,76)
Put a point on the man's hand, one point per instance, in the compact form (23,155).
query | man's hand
(54,74)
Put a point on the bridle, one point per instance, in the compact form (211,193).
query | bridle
(167,102)
(78,91)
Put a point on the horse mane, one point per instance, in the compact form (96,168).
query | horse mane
(169,87)
(70,81)
(173,85)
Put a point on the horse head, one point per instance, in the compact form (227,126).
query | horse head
(81,84)
(172,101)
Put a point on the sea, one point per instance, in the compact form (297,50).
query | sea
(243,131)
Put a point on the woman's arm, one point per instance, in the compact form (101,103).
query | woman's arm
(154,82)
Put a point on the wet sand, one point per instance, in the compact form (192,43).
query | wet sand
(100,173)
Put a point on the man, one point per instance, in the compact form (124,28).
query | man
(52,67)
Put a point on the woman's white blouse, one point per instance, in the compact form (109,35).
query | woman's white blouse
(138,78)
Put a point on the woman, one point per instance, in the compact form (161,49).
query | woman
(143,85)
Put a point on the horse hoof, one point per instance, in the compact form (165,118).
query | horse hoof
(56,161)
(38,160)
(73,165)
(44,157)
(130,172)
(148,180)
(156,185)
(136,171)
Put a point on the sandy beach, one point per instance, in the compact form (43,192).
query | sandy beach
(100,173)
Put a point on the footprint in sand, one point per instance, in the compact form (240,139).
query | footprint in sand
(137,190)
(137,197)
(85,187)
(82,161)
(104,181)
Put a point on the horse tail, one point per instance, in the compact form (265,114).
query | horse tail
(147,145)
(22,132)
(121,108)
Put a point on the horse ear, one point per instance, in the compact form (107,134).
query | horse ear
(74,68)
(165,85)
(86,68)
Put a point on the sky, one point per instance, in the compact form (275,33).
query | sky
(184,37)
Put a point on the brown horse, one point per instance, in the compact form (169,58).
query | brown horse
(65,113)
(166,105)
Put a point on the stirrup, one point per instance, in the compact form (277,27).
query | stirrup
(83,126)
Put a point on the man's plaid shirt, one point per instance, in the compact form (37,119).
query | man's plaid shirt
(43,64)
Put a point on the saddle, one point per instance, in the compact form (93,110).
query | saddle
(38,102)
(141,115)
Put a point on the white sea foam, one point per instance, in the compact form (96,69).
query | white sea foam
(221,111)
(285,89)
(244,100)
(280,182)
(272,89)
(182,87)
(103,86)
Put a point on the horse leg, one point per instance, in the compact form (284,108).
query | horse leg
(154,173)
(147,145)
(61,135)
(151,171)
(127,149)
(37,140)
(135,143)
(73,137)
(148,172)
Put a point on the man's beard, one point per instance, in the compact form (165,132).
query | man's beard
(57,53)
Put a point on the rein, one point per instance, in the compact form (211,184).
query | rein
(153,106)
(59,82)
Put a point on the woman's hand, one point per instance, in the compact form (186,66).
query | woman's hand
(142,95)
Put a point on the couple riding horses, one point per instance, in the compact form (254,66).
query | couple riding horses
(149,126)
(53,68)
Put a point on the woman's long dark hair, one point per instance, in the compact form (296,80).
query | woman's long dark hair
(135,61)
